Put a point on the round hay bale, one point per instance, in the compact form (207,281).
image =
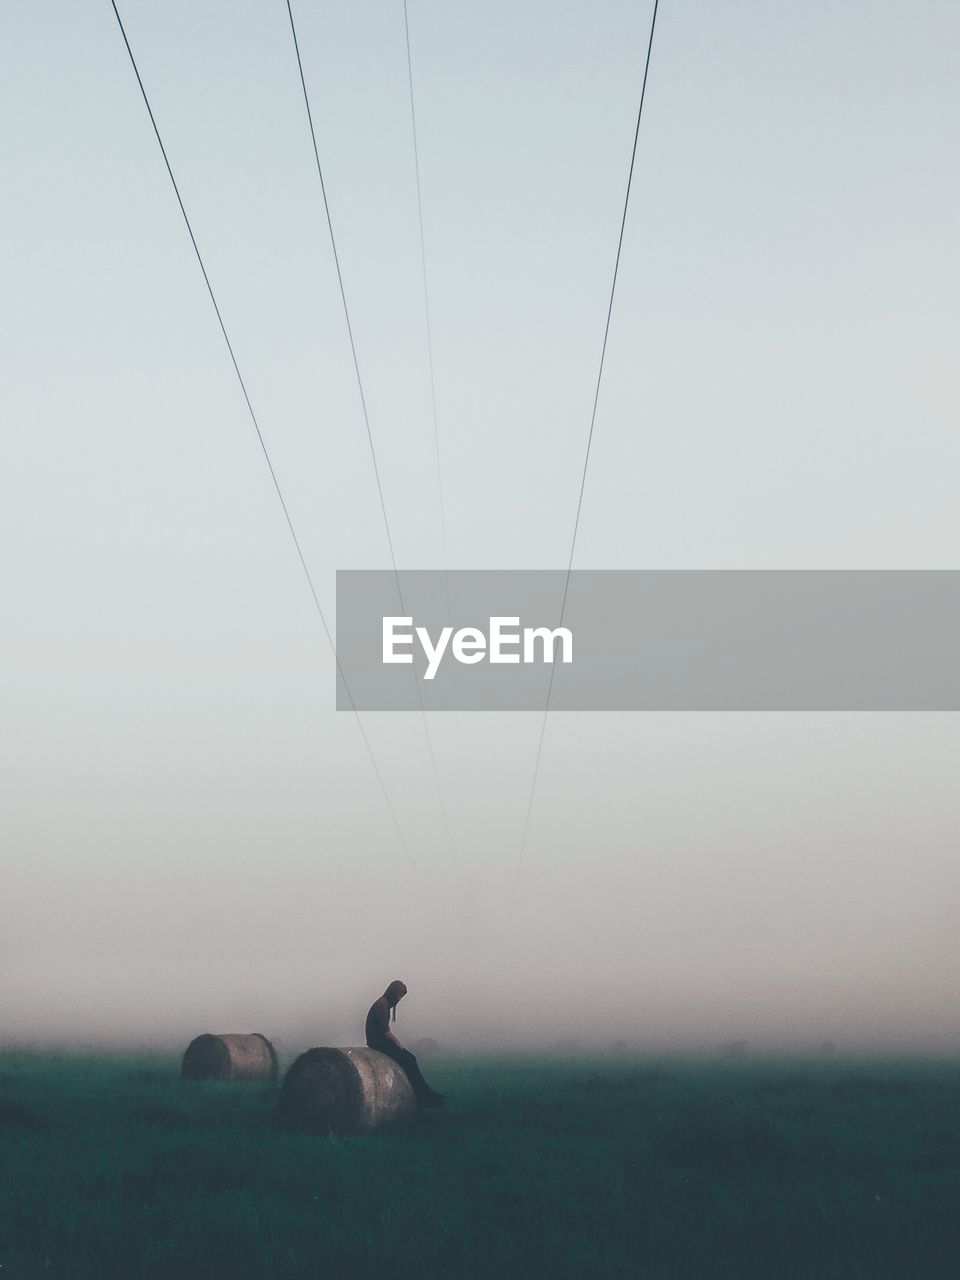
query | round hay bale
(229,1057)
(345,1091)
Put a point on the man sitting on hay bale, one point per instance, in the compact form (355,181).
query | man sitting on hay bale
(381,1038)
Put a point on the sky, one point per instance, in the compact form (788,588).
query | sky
(191,837)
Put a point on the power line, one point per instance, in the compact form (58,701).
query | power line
(426,290)
(593,419)
(343,293)
(363,406)
(262,442)
(429,329)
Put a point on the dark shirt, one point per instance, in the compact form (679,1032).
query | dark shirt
(378,1023)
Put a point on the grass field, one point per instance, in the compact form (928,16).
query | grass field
(110,1167)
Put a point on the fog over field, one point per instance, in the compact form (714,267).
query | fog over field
(191,837)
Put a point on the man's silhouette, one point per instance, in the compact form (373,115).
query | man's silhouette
(381,1038)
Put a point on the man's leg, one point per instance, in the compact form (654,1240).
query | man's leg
(410,1065)
(405,1059)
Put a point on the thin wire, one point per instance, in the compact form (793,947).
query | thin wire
(363,405)
(262,442)
(426,290)
(429,329)
(593,419)
(343,294)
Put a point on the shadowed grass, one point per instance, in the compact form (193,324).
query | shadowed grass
(111,1167)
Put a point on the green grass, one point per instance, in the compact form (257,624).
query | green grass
(110,1167)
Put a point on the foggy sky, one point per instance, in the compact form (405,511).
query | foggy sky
(191,836)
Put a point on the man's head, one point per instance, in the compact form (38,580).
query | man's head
(395,992)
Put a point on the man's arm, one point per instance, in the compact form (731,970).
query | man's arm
(381,1016)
